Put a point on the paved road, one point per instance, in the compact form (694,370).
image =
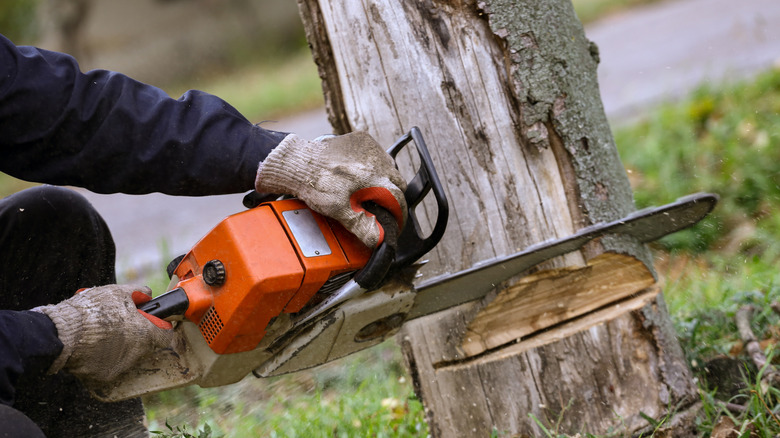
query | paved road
(666,49)
(647,55)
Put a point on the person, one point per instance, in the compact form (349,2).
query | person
(108,133)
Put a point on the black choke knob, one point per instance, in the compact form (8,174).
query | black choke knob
(214,273)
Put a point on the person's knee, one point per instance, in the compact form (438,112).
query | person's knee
(46,200)
(53,243)
(15,424)
(51,213)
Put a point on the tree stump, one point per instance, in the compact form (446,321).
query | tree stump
(506,95)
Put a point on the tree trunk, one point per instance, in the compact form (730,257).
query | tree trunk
(505,93)
(62,26)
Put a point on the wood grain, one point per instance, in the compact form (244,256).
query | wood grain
(549,298)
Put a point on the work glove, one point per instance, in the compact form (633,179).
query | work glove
(334,176)
(102,332)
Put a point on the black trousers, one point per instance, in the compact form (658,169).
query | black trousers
(52,243)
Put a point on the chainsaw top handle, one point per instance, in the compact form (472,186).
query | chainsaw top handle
(412,244)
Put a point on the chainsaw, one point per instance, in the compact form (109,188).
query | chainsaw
(279,288)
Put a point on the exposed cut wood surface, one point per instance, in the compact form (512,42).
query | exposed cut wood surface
(551,297)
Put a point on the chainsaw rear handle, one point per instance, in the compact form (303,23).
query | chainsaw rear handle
(174,302)
(374,272)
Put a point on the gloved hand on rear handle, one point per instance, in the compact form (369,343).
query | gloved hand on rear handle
(102,332)
(334,176)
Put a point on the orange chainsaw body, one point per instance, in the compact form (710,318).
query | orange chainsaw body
(274,258)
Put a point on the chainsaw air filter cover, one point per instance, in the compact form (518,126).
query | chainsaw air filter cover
(259,263)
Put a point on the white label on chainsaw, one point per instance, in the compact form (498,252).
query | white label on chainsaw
(306,232)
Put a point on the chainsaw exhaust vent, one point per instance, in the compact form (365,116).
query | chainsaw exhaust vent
(211,325)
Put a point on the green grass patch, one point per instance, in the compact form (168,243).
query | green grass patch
(263,91)
(366,394)
(591,10)
(720,140)
(10,185)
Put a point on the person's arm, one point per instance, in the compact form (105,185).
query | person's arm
(109,133)
(95,335)
(102,332)
(28,344)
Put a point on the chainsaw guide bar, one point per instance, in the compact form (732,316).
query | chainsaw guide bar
(645,225)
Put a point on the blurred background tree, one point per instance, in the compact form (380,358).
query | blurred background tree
(17,19)
(162,42)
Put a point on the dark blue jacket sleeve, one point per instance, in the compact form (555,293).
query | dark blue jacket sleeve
(28,344)
(108,133)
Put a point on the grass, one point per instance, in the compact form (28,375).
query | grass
(263,91)
(366,394)
(10,185)
(723,141)
(17,19)
(592,10)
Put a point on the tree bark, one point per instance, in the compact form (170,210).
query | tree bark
(506,95)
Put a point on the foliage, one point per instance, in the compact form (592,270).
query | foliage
(17,20)
(725,141)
